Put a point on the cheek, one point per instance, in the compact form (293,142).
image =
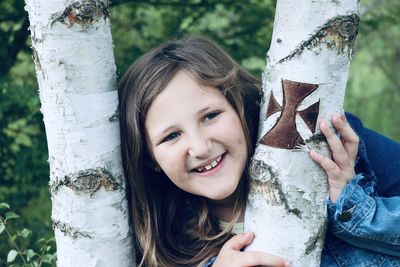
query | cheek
(241,143)
(159,157)
(238,132)
(241,140)
(170,161)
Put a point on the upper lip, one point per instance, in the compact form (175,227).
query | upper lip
(208,162)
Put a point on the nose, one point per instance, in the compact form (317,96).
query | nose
(199,145)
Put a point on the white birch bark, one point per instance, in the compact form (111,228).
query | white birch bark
(72,48)
(312,43)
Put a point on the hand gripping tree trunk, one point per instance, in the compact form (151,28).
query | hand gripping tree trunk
(72,50)
(304,82)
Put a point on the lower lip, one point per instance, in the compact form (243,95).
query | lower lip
(215,169)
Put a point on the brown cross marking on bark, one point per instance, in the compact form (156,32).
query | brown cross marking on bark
(284,133)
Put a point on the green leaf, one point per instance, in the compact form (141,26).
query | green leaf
(30,254)
(4,205)
(48,258)
(23,139)
(24,233)
(2,227)
(11,215)
(12,255)
(41,240)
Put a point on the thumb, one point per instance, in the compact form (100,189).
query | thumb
(239,241)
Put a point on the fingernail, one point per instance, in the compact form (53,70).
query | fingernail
(287,263)
(344,117)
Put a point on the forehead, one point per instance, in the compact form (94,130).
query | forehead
(183,91)
(182,96)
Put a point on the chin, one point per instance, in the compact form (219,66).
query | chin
(226,196)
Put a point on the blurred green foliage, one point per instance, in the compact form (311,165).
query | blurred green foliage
(373,91)
(43,253)
(243,28)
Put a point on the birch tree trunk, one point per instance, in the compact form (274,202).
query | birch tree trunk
(304,82)
(72,50)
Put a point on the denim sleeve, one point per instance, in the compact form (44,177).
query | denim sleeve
(210,262)
(364,219)
(380,156)
(384,156)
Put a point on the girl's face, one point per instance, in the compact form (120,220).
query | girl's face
(196,137)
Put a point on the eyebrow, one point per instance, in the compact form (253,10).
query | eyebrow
(158,137)
(168,129)
(203,110)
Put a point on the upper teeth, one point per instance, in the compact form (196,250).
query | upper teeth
(211,165)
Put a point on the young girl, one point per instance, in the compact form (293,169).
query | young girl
(189,118)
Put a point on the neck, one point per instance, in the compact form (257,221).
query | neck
(224,209)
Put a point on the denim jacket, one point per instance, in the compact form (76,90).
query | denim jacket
(364,223)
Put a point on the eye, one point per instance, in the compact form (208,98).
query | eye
(170,137)
(211,115)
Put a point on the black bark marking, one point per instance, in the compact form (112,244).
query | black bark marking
(114,116)
(316,239)
(283,200)
(69,231)
(317,139)
(260,169)
(35,57)
(337,33)
(284,133)
(88,181)
(82,12)
(270,189)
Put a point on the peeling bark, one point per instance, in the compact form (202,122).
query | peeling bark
(88,181)
(304,82)
(76,73)
(81,12)
(69,231)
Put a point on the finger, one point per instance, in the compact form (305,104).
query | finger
(256,258)
(339,152)
(349,137)
(239,241)
(326,163)
(352,140)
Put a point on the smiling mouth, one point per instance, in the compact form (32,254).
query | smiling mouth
(210,166)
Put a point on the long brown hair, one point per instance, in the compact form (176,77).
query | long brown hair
(173,227)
